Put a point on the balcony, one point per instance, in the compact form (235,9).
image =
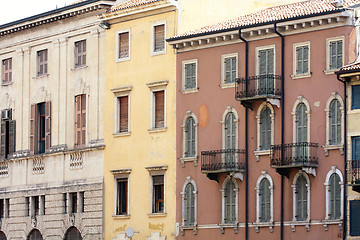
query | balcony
(222,161)
(258,87)
(294,155)
(353,169)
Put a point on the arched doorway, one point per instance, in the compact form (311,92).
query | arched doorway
(72,234)
(2,236)
(35,235)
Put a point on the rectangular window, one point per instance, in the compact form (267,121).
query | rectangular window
(123,103)
(355,218)
(355,97)
(40,127)
(7,134)
(7,71)
(27,206)
(80,53)
(189,75)
(355,141)
(122,196)
(80,120)
(335,54)
(73,202)
(65,203)
(36,205)
(266,61)
(159,114)
(302,59)
(159,38)
(229,68)
(124,45)
(4,208)
(42,62)
(158,194)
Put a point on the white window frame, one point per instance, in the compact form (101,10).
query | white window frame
(259,152)
(308,187)
(328,41)
(333,170)
(264,174)
(189,180)
(301,99)
(121,174)
(121,92)
(257,62)
(184,159)
(327,146)
(152,41)
(117,46)
(156,171)
(156,87)
(228,110)
(302,75)
(223,69)
(184,63)
(223,205)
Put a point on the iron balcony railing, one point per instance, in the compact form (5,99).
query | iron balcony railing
(353,169)
(303,154)
(226,160)
(260,86)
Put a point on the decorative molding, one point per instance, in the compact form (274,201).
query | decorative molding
(157,168)
(121,171)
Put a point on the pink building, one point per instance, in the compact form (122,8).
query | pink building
(260,129)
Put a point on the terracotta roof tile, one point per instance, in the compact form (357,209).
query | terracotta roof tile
(272,14)
(130,4)
(351,67)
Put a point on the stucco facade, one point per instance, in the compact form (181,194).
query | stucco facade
(52,175)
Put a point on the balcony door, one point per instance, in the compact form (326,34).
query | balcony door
(301,133)
(266,70)
(230,139)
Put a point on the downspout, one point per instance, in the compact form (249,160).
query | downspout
(282,105)
(345,161)
(246,141)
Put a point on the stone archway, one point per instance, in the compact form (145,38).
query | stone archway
(72,234)
(2,236)
(35,235)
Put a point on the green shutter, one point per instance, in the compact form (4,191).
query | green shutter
(265,129)
(190,137)
(305,59)
(301,213)
(189,200)
(339,54)
(230,202)
(265,200)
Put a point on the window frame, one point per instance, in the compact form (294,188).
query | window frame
(236,191)
(334,170)
(157,171)
(260,152)
(224,84)
(117,46)
(328,70)
(157,87)
(184,216)
(121,174)
(8,134)
(9,71)
(35,128)
(257,58)
(152,42)
(307,112)
(121,92)
(81,54)
(44,63)
(296,75)
(264,175)
(230,110)
(189,90)
(295,194)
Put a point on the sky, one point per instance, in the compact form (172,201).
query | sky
(12,10)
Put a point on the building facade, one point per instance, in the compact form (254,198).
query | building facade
(52,141)
(260,127)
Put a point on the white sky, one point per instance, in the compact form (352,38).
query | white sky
(12,10)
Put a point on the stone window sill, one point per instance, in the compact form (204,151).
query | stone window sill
(259,153)
(333,147)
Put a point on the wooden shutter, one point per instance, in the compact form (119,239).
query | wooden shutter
(12,137)
(339,54)
(33,129)
(124,45)
(270,61)
(233,69)
(7,70)
(47,126)
(3,140)
(355,218)
(83,119)
(338,122)
(190,75)
(159,38)
(80,120)
(159,109)
(124,114)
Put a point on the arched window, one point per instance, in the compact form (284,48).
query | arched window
(265,200)
(301,189)
(72,234)
(2,236)
(335,123)
(265,129)
(229,193)
(301,123)
(35,235)
(334,194)
(230,131)
(189,202)
(190,137)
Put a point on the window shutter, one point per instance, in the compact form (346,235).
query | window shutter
(83,119)
(188,134)
(84,53)
(77,120)
(12,137)
(305,59)
(338,123)
(233,69)
(355,97)
(339,54)
(299,60)
(355,148)
(227,70)
(124,113)
(270,61)
(159,35)
(337,196)
(124,45)
(332,197)
(3,139)
(33,134)
(355,218)
(262,62)
(159,109)
(333,55)
(262,130)
(47,126)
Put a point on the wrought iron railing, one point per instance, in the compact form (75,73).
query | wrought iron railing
(225,160)
(353,170)
(268,85)
(294,155)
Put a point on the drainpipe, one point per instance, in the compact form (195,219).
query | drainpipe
(246,141)
(282,105)
(345,161)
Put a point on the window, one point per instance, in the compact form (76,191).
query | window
(42,62)
(301,197)
(189,199)
(7,71)
(355,150)
(80,120)
(355,97)
(122,196)
(301,58)
(229,68)
(335,122)
(190,137)
(301,128)
(35,235)
(189,76)
(74,202)
(265,129)
(230,202)
(264,198)
(335,197)
(80,53)
(336,54)
(301,123)
(265,67)
(159,39)
(230,131)
(40,128)
(4,208)
(72,234)
(36,205)
(355,218)
(230,136)
(123,45)
(123,104)
(158,194)
(159,108)
(7,134)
